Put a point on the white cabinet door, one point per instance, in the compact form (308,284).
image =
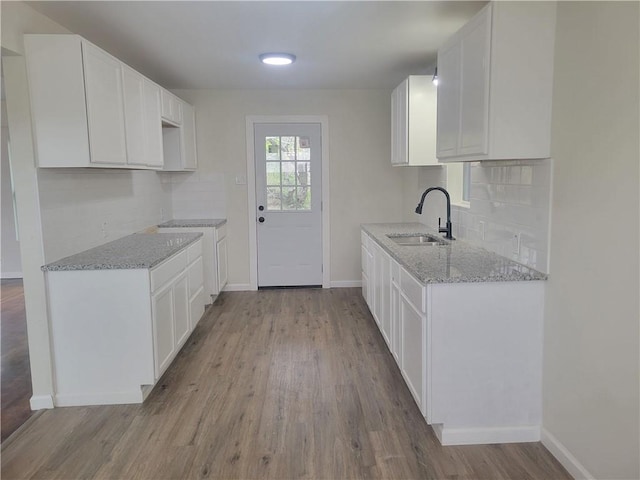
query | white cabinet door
(399,120)
(496,84)
(395,322)
(385,294)
(221,257)
(171,107)
(189,156)
(413,351)
(182,323)
(153,124)
(134,115)
(105,107)
(474,92)
(364,258)
(449,69)
(163,334)
(413,122)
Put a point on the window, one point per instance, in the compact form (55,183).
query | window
(288,173)
(459,183)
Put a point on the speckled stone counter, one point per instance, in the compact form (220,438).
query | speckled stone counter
(199,222)
(454,262)
(140,250)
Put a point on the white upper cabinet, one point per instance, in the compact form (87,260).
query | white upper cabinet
(179,143)
(171,108)
(153,124)
(495,85)
(88,109)
(105,106)
(134,110)
(142,119)
(413,122)
(189,137)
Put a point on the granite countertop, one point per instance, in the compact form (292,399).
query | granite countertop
(189,223)
(454,262)
(140,250)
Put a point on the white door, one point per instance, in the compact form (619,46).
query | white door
(288,204)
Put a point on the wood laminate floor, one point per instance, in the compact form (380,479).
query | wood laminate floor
(15,385)
(272,384)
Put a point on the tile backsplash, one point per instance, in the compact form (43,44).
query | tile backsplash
(509,208)
(196,194)
(82,208)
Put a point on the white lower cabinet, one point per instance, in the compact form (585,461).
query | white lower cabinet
(222,265)
(470,353)
(413,327)
(115,332)
(214,257)
(163,334)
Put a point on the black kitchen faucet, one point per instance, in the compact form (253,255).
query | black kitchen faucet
(446,230)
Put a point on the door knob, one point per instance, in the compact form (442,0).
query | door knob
(261,219)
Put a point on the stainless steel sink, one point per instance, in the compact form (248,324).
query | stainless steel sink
(416,240)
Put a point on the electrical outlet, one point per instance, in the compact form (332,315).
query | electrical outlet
(515,243)
(103,228)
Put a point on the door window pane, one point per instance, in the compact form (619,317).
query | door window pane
(273,148)
(287,145)
(288,173)
(274,201)
(304,150)
(289,201)
(273,173)
(303,173)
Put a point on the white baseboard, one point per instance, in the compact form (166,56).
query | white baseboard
(564,456)
(475,436)
(40,402)
(11,275)
(237,287)
(346,283)
(107,398)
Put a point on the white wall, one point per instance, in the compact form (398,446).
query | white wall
(509,197)
(10,262)
(363,185)
(591,372)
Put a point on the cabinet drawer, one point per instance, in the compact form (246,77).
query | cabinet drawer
(221,231)
(195,277)
(412,289)
(167,270)
(194,251)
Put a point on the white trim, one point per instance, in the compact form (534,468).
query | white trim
(251,120)
(564,456)
(11,275)
(103,398)
(346,283)
(238,287)
(476,436)
(40,402)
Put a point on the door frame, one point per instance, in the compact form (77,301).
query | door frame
(252,120)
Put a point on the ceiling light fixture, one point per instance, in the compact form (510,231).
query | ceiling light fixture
(435,77)
(277,58)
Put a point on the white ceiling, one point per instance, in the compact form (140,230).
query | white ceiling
(215,44)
